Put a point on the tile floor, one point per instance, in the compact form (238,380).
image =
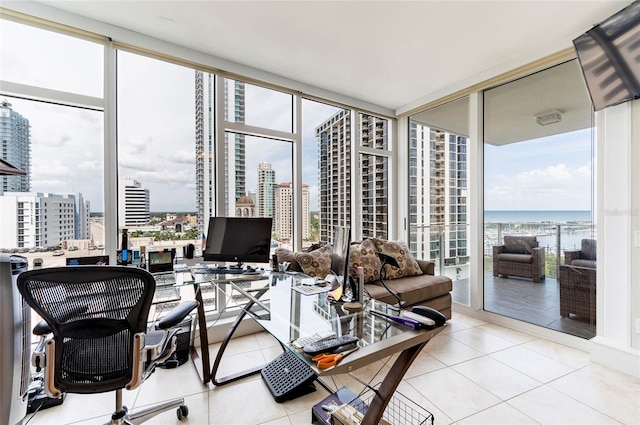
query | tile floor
(472,373)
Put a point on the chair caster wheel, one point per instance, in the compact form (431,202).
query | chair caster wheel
(182,412)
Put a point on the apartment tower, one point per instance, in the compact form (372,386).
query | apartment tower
(133,204)
(283,223)
(266,190)
(15,137)
(234,148)
(336,172)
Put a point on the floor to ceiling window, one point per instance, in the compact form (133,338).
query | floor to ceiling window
(538,199)
(51,126)
(438,201)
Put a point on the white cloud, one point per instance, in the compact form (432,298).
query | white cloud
(553,187)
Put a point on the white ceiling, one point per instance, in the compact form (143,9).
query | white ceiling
(395,54)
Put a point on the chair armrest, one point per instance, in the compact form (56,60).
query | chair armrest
(176,315)
(538,254)
(498,249)
(427,267)
(571,255)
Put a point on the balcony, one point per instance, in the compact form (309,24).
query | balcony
(517,298)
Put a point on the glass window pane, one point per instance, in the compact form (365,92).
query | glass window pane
(335,150)
(47,59)
(267,177)
(438,135)
(60,202)
(258,106)
(314,165)
(374,174)
(374,131)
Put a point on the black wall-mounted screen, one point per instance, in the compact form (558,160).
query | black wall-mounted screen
(340,254)
(238,240)
(609,55)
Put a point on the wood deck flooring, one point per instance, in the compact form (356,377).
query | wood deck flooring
(522,299)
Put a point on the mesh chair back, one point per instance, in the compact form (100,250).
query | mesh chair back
(94,313)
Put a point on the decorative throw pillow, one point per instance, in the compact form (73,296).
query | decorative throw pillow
(316,263)
(289,256)
(363,255)
(400,251)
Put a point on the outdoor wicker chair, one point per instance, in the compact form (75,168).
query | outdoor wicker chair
(519,256)
(577,281)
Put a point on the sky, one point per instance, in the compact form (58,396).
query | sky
(156,132)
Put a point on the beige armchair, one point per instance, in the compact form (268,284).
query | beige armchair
(519,256)
(577,281)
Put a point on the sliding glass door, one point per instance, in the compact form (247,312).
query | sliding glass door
(539,168)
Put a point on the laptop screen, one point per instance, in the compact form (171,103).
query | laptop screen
(160,261)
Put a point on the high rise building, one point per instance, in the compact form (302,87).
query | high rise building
(234,147)
(266,190)
(335,165)
(82,216)
(438,196)
(15,137)
(133,204)
(283,222)
(40,219)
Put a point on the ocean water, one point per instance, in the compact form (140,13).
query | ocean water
(537,216)
(574,226)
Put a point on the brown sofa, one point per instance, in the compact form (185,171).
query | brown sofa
(414,282)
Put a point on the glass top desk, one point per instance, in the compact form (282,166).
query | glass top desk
(283,307)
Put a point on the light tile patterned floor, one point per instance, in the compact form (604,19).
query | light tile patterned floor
(472,373)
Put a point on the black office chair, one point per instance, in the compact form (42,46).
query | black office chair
(98,319)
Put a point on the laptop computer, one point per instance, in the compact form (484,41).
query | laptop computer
(160,265)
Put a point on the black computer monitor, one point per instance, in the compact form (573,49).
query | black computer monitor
(99,260)
(340,254)
(238,240)
(161,261)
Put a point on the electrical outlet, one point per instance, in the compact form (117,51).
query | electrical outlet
(638,326)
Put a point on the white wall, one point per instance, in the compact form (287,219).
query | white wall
(618,136)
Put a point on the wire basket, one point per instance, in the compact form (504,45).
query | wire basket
(399,411)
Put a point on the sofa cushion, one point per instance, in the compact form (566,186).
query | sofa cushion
(588,249)
(584,263)
(412,289)
(363,255)
(516,258)
(284,254)
(520,244)
(400,251)
(316,263)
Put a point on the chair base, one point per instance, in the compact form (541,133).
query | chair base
(142,415)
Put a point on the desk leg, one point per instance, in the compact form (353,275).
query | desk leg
(390,383)
(223,347)
(201,362)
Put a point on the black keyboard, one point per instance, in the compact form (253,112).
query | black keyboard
(330,345)
(216,270)
(225,270)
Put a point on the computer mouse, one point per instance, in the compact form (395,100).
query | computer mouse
(431,313)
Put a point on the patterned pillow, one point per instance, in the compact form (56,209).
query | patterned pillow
(316,263)
(400,251)
(363,255)
(285,254)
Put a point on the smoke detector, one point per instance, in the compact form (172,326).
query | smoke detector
(550,117)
